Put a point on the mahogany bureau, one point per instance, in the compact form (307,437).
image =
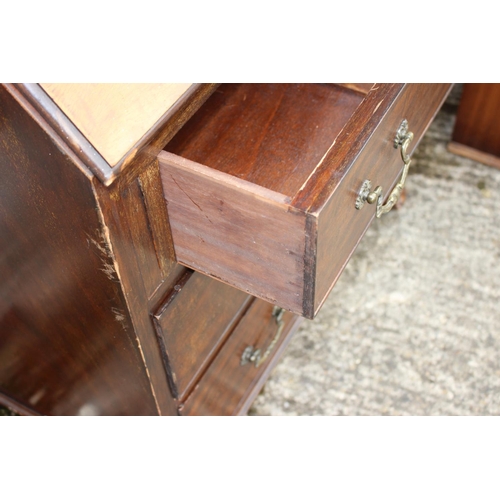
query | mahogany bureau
(161,242)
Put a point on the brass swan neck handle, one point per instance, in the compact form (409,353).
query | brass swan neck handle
(403,139)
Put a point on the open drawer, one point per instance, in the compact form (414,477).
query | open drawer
(265,184)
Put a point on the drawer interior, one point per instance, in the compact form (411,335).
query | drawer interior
(272,135)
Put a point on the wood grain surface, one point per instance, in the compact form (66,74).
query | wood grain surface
(235,231)
(227,387)
(193,323)
(114,116)
(144,151)
(363,88)
(265,200)
(476,134)
(67,345)
(145,264)
(270,135)
(340,225)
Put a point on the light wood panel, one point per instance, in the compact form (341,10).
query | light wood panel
(114,117)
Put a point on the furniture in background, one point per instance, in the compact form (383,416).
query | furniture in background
(160,243)
(476,134)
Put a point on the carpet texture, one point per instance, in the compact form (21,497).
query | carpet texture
(413,325)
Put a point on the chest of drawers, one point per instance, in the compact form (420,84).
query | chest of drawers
(160,243)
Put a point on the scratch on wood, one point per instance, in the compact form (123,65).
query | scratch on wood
(106,255)
(317,167)
(107,247)
(196,204)
(119,316)
(378,106)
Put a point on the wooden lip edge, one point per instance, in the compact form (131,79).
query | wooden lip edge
(170,296)
(66,130)
(80,145)
(14,405)
(148,136)
(474,154)
(34,114)
(372,108)
(356,87)
(372,120)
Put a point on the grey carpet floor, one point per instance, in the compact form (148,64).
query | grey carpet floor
(413,325)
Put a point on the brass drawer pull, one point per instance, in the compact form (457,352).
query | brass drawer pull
(403,139)
(253,355)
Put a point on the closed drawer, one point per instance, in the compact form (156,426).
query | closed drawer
(192,323)
(261,184)
(235,377)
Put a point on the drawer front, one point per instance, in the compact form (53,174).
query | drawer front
(287,246)
(340,225)
(235,377)
(192,324)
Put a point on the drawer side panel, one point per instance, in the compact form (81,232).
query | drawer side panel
(248,238)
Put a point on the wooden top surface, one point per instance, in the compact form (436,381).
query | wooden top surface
(114,117)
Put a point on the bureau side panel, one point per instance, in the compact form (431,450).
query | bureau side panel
(67,346)
(228,229)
